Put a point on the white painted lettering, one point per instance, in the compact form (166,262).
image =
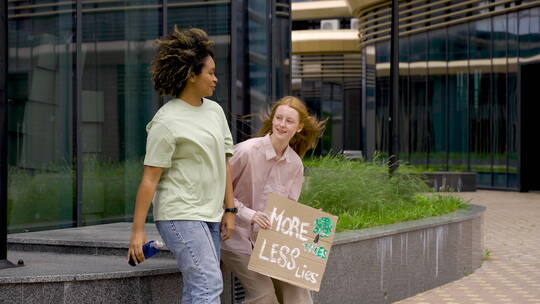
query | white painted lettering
(276,217)
(306,274)
(303,231)
(286,226)
(294,254)
(261,256)
(282,261)
(273,252)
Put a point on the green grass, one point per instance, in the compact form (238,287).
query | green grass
(363,195)
(45,197)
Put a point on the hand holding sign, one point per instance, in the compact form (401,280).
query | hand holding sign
(297,244)
(261,219)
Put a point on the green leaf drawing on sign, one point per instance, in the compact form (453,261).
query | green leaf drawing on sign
(323,227)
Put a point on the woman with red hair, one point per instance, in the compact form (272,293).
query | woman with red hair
(269,163)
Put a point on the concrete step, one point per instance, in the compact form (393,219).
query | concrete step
(78,278)
(86,265)
(107,239)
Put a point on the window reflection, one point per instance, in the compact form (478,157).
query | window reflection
(382,96)
(499,106)
(332,108)
(40,91)
(116,95)
(117,101)
(458,96)
(370,100)
(529,34)
(327,98)
(404,99)
(513,49)
(214,19)
(258,47)
(420,113)
(437,140)
(480,101)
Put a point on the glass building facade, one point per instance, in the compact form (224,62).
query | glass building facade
(463,101)
(336,99)
(80,95)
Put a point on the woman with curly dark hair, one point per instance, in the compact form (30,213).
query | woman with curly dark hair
(186,171)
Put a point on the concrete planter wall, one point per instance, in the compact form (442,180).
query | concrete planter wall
(377,265)
(393,262)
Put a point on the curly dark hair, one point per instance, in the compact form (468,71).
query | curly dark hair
(180,53)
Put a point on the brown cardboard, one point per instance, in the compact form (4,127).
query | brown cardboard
(285,254)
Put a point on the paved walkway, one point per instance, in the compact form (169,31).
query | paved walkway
(511,271)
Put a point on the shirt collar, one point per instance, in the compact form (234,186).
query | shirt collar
(271,153)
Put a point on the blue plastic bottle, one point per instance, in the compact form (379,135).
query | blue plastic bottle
(149,249)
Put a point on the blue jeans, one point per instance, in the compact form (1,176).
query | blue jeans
(196,246)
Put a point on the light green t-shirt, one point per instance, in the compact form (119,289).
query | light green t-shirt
(191,144)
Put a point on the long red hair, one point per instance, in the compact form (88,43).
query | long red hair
(311,131)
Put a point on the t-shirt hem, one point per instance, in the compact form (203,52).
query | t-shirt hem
(202,219)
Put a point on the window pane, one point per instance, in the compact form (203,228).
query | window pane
(458,42)
(437,100)
(310,92)
(40,94)
(118,100)
(529,34)
(404,97)
(332,107)
(352,105)
(215,20)
(480,101)
(499,107)
(458,87)
(382,96)
(368,57)
(513,122)
(281,55)
(418,97)
(258,53)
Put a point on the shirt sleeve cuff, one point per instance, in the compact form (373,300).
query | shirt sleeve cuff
(157,164)
(245,214)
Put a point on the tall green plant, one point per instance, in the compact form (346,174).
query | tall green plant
(363,194)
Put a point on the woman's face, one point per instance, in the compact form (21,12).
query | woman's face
(206,81)
(286,123)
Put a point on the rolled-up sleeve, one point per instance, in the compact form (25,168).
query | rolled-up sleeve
(227,137)
(245,214)
(238,163)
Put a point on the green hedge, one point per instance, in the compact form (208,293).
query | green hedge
(363,194)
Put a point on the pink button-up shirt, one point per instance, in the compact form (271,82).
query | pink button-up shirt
(258,171)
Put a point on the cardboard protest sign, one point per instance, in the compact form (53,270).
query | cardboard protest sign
(296,248)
